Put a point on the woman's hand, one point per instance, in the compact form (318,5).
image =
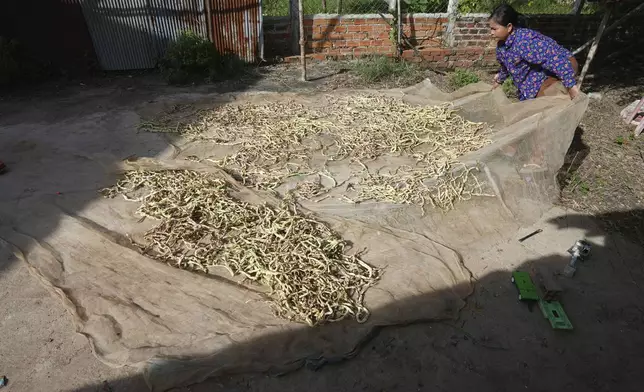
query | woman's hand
(496,83)
(574,92)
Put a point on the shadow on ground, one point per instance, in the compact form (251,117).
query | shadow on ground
(577,152)
(497,344)
(65,146)
(624,71)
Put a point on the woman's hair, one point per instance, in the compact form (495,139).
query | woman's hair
(505,14)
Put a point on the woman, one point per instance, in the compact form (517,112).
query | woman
(534,61)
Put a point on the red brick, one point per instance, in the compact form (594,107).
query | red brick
(438,51)
(354,44)
(321,44)
(340,37)
(408,54)
(356,28)
(474,50)
(378,36)
(324,22)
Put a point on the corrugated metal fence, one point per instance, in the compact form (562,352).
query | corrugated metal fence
(134,34)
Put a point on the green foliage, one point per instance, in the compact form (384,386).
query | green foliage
(543,7)
(462,77)
(425,6)
(472,6)
(281,7)
(379,68)
(192,58)
(363,6)
(523,6)
(509,88)
(578,184)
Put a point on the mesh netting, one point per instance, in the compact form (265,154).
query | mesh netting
(182,327)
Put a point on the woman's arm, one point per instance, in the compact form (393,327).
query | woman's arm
(501,76)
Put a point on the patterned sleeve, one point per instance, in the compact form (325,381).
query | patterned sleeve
(548,54)
(503,71)
(503,74)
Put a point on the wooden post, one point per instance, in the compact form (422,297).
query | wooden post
(302,39)
(593,48)
(295,28)
(324,9)
(611,27)
(576,10)
(399,48)
(452,15)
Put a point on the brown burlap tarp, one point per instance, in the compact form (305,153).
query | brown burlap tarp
(182,327)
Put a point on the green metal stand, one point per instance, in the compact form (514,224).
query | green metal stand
(527,289)
(554,312)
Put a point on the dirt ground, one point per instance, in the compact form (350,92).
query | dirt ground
(497,344)
(604,165)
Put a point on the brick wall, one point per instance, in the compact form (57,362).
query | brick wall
(346,36)
(472,31)
(330,36)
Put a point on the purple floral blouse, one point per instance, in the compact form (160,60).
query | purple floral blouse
(529,57)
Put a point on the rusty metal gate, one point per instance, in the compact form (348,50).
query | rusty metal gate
(134,34)
(236,28)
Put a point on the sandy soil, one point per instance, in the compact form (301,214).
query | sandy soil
(497,344)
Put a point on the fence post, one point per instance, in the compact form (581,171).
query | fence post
(399,45)
(452,16)
(593,48)
(293,10)
(300,19)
